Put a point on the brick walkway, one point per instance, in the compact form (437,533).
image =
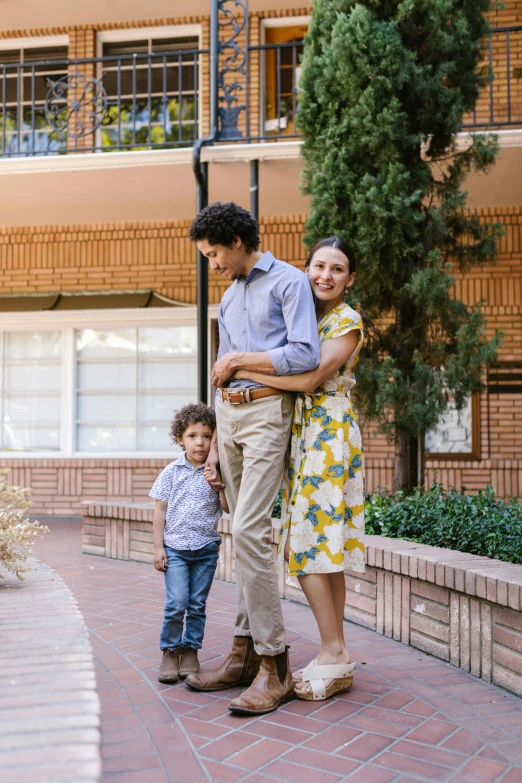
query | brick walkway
(408,717)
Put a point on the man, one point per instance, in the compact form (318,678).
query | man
(266,322)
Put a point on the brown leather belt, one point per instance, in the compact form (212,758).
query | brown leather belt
(239,396)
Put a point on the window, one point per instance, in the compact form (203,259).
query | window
(151,83)
(91,384)
(281,68)
(128,383)
(24,128)
(31,390)
(457,433)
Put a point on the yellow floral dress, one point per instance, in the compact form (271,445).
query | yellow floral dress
(323,490)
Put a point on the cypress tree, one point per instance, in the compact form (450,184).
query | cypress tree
(384,87)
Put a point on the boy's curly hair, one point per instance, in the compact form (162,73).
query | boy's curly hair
(221,223)
(191,414)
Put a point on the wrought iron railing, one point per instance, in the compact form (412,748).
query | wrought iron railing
(161,100)
(142,101)
(500,104)
(101,104)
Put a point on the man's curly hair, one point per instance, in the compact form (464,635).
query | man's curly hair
(221,224)
(191,414)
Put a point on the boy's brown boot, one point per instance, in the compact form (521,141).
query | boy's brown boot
(169,667)
(240,667)
(188,662)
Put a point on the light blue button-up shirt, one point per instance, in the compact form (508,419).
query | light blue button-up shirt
(271,310)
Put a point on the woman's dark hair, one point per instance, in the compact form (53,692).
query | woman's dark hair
(221,224)
(338,244)
(191,414)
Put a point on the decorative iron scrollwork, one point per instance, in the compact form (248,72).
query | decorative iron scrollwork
(76,104)
(234,62)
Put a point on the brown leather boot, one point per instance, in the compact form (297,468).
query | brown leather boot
(239,668)
(272,687)
(188,662)
(169,667)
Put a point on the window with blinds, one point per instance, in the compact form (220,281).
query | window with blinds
(151,85)
(26,75)
(128,382)
(31,371)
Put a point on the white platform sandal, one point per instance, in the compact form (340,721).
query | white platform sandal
(341,675)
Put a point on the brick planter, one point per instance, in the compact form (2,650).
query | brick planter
(463,609)
(49,709)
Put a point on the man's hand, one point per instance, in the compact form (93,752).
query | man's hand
(223,369)
(160,559)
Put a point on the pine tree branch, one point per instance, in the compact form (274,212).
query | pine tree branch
(368,322)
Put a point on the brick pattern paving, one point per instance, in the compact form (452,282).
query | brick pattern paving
(408,718)
(49,708)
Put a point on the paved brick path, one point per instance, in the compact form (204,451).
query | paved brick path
(408,717)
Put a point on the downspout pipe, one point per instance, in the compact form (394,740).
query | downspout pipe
(201,175)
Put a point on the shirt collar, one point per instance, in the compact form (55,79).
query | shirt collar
(264,264)
(183,462)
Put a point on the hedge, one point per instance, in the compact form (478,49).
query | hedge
(480,523)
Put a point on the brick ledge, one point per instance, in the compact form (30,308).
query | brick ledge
(48,669)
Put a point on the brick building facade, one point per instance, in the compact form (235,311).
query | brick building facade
(93,223)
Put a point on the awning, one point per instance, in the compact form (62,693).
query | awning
(85,300)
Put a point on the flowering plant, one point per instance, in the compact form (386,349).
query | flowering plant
(17,532)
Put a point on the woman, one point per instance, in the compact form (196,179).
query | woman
(322,513)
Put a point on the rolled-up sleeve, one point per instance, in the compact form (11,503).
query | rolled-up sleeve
(301,353)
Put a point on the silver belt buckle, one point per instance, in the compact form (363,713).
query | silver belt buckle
(244,394)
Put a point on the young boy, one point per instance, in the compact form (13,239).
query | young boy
(186,541)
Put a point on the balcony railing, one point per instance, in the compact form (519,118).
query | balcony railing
(161,100)
(149,101)
(500,104)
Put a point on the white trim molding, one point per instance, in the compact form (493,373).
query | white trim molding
(506,138)
(81,319)
(138,33)
(226,153)
(34,42)
(287,21)
(235,153)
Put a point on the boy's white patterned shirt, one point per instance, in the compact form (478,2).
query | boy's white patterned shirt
(193,509)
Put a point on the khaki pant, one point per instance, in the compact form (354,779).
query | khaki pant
(253,439)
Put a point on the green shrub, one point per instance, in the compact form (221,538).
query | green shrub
(276,511)
(481,523)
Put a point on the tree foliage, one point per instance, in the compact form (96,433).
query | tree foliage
(384,87)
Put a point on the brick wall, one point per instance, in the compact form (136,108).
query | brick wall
(59,486)
(123,256)
(159,256)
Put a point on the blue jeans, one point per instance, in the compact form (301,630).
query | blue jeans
(188,579)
